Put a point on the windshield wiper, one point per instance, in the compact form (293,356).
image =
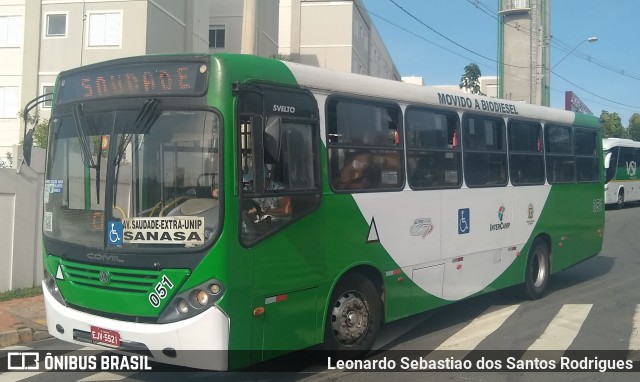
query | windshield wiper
(85,149)
(87,159)
(145,119)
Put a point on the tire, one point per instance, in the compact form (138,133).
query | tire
(620,202)
(353,317)
(537,271)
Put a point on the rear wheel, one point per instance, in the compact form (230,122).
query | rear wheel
(537,272)
(620,202)
(353,318)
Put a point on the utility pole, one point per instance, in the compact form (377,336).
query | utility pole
(249,43)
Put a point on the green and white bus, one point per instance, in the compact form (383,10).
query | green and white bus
(164,175)
(622,183)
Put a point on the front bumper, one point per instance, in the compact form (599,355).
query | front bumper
(199,342)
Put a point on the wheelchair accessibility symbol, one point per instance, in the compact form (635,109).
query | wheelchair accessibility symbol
(464,222)
(114,233)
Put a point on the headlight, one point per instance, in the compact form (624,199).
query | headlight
(201,297)
(52,287)
(182,306)
(192,302)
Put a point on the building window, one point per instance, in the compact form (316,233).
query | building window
(10,31)
(56,25)
(105,29)
(47,89)
(8,102)
(216,36)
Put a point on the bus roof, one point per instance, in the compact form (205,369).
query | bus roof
(608,143)
(329,81)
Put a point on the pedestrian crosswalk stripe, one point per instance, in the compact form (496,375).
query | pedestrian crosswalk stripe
(634,341)
(105,376)
(471,335)
(563,329)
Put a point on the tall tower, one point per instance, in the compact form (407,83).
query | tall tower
(523,51)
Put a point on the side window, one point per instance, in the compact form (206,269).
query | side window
(559,154)
(586,149)
(485,151)
(279,161)
(47,89)
(11,31)
(105,29)
(526,158)
(217,36)
(434,157)
(365,149)
(56,25)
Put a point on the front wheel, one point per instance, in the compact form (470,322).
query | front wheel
(537,272)
(353,318)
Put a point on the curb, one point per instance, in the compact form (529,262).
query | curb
(22,336)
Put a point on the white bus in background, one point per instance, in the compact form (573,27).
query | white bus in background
(622,181)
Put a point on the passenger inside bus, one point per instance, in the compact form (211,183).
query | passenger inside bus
(427,173)
(358,172)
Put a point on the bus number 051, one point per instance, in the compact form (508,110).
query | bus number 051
(160,291)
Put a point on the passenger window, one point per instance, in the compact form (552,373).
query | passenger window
(434,157)
(559,154)
(485,151)
(364,145)
(526,158)
(586,149)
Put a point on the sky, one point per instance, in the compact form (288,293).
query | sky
(450,34)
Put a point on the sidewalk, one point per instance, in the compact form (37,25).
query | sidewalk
(22,321)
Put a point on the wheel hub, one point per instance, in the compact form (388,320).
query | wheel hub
(349,319)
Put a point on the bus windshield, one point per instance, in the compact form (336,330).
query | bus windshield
(154,167)
(610,163)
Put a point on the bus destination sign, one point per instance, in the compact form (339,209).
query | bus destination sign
(145,79)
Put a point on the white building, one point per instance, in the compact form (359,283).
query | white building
(336,35)
(40,38)
(244,26)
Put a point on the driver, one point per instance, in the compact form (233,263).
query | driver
(276,206)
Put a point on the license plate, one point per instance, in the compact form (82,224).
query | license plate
(105,336)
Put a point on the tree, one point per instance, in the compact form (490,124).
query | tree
(634,127)
(40,129)
(6,162)
(41,134)
(470,80)
(611,125)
